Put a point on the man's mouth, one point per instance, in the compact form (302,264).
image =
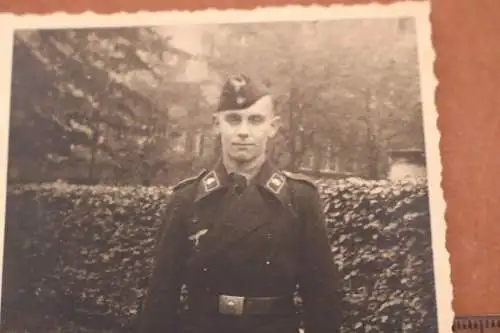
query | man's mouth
(242,144)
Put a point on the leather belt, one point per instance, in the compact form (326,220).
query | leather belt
(240,305)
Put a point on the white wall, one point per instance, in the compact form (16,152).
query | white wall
(400,170)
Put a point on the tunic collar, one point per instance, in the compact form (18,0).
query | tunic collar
(268,178)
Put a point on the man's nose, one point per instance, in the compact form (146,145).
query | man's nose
(243,130)
(243,135)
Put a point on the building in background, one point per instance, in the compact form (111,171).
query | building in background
(406,164)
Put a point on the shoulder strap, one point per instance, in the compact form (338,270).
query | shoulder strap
(300,177)
(295,209)
(189,210)
(189,180)
(175,205)
(303,179)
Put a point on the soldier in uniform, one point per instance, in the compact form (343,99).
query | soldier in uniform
(242,237)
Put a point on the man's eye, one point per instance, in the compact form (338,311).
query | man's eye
(256,119)
(233,119)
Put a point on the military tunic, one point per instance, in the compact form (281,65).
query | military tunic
(223,237)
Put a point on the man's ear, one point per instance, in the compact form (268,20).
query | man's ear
(216,124)
(275,126)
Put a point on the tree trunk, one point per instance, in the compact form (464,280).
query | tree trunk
(202,143)
(93,148)
(293,129)
(372,146)
(318,158)
(93,152)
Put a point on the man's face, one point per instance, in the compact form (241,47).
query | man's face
(245,133)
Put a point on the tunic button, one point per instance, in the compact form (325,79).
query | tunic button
(268,262)
(205,269)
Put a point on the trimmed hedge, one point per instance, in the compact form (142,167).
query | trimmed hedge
(381,239)
(79,257)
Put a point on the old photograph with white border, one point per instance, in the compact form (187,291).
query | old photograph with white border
(110,120)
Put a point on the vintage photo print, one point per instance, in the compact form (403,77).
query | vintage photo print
(265,170)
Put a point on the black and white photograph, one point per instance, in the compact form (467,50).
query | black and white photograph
(274,170)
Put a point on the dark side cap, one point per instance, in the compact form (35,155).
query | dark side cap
(240,92)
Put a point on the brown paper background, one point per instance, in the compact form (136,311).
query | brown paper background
(466,41)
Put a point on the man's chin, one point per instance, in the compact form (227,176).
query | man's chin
(242,158)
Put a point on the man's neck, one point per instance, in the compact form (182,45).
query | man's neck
(249,169)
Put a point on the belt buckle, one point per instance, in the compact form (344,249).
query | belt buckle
(231,305)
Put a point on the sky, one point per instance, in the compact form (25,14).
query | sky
(188,38)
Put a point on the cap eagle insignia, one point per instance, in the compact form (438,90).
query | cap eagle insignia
(238,83)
